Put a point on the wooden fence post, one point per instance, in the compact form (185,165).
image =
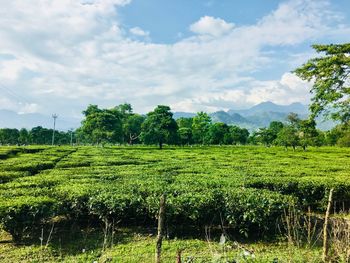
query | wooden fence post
(325,227)
(161,217)
(178,256)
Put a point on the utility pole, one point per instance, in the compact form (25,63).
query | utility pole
(71,136)
(54,116)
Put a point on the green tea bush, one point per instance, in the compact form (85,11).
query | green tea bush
(6,176)
(310,191)
(19,215)
(6,152)
(255,211)
(246,188)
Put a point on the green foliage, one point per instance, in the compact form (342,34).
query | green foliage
(200,127)
(185,135)
(159,127)
(255,211)
(119,125)
(288,136)
(132,127)
(330,76)
(20,214)
(344,141)
(102,126)
(217,133)
(264,136)
(9,136)
(246,188)
(185,122)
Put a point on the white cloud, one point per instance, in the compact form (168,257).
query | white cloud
(65,55)
(208,25)
(139,32)
(285,91)
(20,107)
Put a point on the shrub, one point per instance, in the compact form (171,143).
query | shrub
(19,215)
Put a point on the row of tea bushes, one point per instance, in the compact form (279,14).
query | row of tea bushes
(309,190)
(31,161)
(245,210)
(246,188)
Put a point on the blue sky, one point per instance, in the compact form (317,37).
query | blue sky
(166,19)
(61,55)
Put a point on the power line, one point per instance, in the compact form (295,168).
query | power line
(14,95)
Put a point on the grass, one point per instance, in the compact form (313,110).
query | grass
(132,245)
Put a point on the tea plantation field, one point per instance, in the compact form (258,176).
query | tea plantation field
(48,193)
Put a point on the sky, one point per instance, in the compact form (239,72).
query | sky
(58,56)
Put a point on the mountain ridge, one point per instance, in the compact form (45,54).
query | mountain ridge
(260,115)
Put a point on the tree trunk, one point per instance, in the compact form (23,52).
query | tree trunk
(160,145)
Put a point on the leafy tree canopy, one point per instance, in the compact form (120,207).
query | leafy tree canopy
(132,127)
(159,126)
(102,125)
(200,127)
(331,84)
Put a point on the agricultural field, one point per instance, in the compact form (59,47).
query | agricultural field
(86,204)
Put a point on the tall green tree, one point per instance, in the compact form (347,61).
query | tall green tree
(185,135)
(200,127)
(288,136)
(184,122)
(293,120)
(132,127)
(217,132)
(330,75)
(238,135)
(307,133)
(40,135)
(9,136)
(131,122)
(275,127)
(339,135)
(23,136)
(264,136)
(102,125)
(159,127)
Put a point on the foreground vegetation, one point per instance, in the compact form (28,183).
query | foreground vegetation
(132,245)
(95,192)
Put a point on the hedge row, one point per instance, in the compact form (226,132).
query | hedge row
(310,191)
(246,210)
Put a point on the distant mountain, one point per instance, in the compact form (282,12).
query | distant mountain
(259,115)
(223,116)
(11,119)
(263,113)
(269,106)
(180,114)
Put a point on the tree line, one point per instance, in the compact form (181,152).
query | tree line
(36,135)
(120,125)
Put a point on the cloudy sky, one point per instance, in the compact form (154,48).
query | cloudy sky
(61,55)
